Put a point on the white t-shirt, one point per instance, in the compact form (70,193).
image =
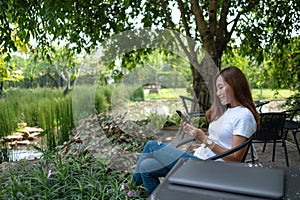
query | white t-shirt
(235,121)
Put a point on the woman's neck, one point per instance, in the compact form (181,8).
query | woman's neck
(234,104)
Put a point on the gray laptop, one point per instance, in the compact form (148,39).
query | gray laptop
(226,177)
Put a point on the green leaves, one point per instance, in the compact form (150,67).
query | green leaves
(76,178)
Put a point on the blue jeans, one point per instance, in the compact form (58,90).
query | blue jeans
(156,161)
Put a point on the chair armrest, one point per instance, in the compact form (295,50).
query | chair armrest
(188,98)
(185,142)
(261,103)
(188,140)
(230,151)
(291,113)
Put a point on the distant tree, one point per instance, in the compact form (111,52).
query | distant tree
(65,63)
(8,72)
(279,69)
(62,65)
(283,67)
(33,70)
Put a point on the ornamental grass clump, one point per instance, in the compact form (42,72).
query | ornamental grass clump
(78,177)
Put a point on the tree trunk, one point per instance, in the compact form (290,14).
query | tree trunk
(204,75)
(67,90)
(68,87)
(56,83)
(1,87)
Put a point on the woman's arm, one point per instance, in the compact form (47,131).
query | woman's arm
(202,138)
(236,156)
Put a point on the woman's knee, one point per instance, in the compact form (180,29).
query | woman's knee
(151,144)
(150,165)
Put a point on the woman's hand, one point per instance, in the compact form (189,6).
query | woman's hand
(195,132)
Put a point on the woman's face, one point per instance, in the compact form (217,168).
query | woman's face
(225,92)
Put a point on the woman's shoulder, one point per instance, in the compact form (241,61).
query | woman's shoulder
(241,111)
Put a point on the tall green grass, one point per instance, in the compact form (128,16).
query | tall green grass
(45,108)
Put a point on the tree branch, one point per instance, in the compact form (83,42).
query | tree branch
(200,22)
(212,9)
(222,30)
(167,14)
(191,54)
(250,6)
(183,17)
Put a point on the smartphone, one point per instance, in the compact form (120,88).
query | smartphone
(183,118)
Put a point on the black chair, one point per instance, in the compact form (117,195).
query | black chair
(247,144)
(192,109)
(259,105)
(292,124)
(271,131)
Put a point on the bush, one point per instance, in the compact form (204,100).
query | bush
(138,95)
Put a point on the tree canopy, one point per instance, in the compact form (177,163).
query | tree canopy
(255,26)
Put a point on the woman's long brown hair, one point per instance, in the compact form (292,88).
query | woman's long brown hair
(239,84)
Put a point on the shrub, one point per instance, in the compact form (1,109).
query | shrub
(138,95)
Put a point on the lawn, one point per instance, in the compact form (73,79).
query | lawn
(268,94)
(264,94)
